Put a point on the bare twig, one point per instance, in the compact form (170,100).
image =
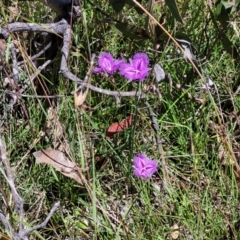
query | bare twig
(8,108)
(33,96)
(64,29)
(56,28)
(27,231)
(80,94)
(6,223)
(14,64)
(15,76)
(99,90)
(39,54)
(155,126)
(22,234)
(66,73)
(38,71)
(18,201)
(88,75)
(16,93)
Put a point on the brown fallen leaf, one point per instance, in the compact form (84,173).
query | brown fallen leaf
(119,126)
(60,162)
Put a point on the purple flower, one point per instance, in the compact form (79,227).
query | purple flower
(137,68)
(106,63)
(143,166)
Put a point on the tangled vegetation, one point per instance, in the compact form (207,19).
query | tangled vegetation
(126,126)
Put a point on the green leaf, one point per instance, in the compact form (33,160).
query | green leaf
(222,15)
(229,46)
(174,10)
(131,31)
(218,10)
(227,5)
(231,7)
(117,5)
(226,43)
(132,4)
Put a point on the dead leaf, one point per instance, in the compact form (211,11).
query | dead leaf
(175,231)
(119,126)
(60,162)
(80,97)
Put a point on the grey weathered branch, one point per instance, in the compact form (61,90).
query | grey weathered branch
(6,223)
(10,179)
(22,233)
(63,28)
(56,28)
(155,126)
(66,73)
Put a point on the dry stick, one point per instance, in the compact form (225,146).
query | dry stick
(155,126)
(88,75)
(6,223)
(27,231)
(22,234)
(32,96)
(55,28)
(36,73)
(34,56)
(112,93)
(15,94)
(13,99)
(18,201)
(14,64)
(38,54)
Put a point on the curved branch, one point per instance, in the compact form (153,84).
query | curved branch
(57,28)
(66,73)
(64,29)
(23,234)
